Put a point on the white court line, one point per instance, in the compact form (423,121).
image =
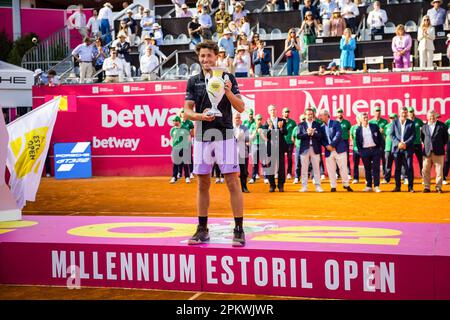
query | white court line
(195,296)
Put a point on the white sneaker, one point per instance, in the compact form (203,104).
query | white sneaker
(377,189)
(266,181)
(349,177)
(322,177)
(173,180)
(405,181)
(355,181)
(289,177)
(188,180)
(319,189)
(257,176)
(367,189)
(303,189)
(222,180)
(384,181)
(191,176)
(444,182)
(217,180)
(252,181)
(295,181)
(276,175)
(179,176)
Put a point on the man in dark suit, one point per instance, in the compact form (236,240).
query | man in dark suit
(434,137)
(369,141)
(310,137)
(402,135)
(261,60)
(335,150)
(275,128)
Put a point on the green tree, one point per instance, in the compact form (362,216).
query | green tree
(20,47)
(5,45)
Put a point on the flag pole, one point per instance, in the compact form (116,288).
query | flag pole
(34,110)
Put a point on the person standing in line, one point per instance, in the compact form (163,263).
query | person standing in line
(290,126)
(345,126)
(389,157)
(242,137)
(356,155)
(381,123)
(180,140)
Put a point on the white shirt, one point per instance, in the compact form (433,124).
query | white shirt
(94,24)
(106,13)
(148,63)
(77,20)
(245,28)
(377,19)
(403,125)
(84,52)
(350,10)
(367,137)
(432,126)
(112,67)
(309,126)
(244,65)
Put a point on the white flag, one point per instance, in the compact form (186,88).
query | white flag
(29,140)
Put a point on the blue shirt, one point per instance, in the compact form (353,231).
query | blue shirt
(326,9)
(148,19)
(205,20)
(228,45)
(84,52)
(437,18)
(101,58)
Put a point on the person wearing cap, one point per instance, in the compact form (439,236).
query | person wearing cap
(347,46)
(105,16)
(356,155)
(113,67)
(242,136)
(242,63)
(84,55)
(214,134)
(437,15)
(178,7)
(257,136)
(148,65)
(426,35)
(368,141)
(158,34)
(149,41)
(388,156)
(326,11)
(418,124)
(188,125)
(123,53)
(447,154)
(401,47)
(297,142)
(376,19)
(238,13)
(381,123)
(435,137)
(180,147)
(337,23)
(224,61)
(310,149)
(185,12)
(227,42)
(206,24)
(345,127)
(132,26)
(222,19)
(349,12)
(147,22)
(290,126)
(93,25)
(250,121)
(333,68)
(194,30)
(262,59)
(403,135)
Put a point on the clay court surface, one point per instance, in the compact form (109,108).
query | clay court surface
(131,196)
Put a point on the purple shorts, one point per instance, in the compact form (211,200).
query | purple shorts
(223,152)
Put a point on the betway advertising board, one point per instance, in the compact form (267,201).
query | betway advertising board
(128,124)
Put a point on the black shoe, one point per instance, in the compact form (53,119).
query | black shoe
(200,236)
(333,190)
(238,237)
(281,189)
(426,190)
(349,189)
(396,190)
(272,189)
(245,190)
(411,190)
(439,190)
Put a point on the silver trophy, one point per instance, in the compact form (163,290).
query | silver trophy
(215,87)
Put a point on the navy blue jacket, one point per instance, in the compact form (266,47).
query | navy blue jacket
(264,62)
(408,137)
(305,139)
(335,137)
(376,136)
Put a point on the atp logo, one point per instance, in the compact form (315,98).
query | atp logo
(28,151)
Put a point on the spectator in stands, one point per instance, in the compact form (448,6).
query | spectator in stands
(93,25)
(270,6)
(234,29)
(78,21)
(242,62)
(125,29)
(204,6)
(178,7)
(53,79)
(123,53)
(100,53)
(280,5)
(185,12)
(158,34)
(348,46)
(83,53)
(105,16)
(311,8)
(139,14)
(326,11)
(132,25)
(149,41)
(437,16)
(349,12)
(292,51)
(224,60)
(206,23)
(309,28)
(194,29)
(376,19)
(401,47)
(147,23)
(254,42)
(447,18)
(337,24)
(295,5)
(447,43)
(148,64)
(262,59)
(113,67)
(426,36)
(125,5)
(245,26)
(227,42)
(222,19)
(238,13)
